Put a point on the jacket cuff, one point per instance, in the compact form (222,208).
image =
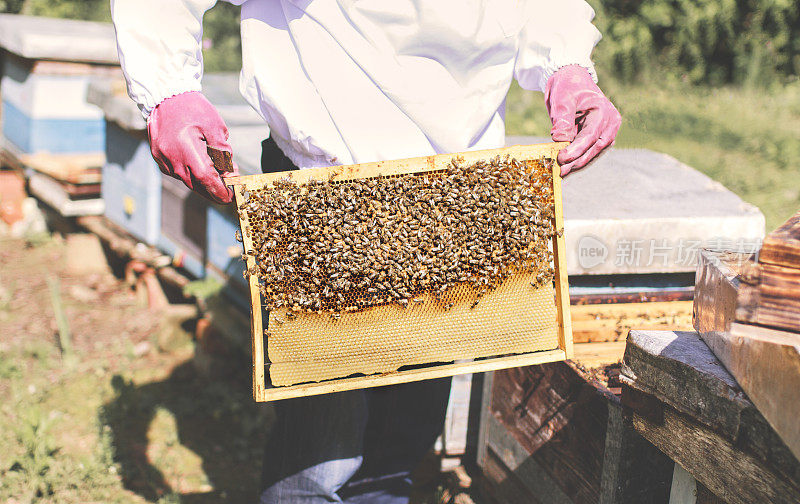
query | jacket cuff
(151,102)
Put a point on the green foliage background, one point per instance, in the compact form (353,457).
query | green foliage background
(742,42)
(749,42)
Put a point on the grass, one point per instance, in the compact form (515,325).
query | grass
(132,420)
(745,139)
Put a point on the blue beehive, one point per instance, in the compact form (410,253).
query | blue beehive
(47,69)
(131,183)
(131,186)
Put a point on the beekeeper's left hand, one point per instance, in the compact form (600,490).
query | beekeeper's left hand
(581,114)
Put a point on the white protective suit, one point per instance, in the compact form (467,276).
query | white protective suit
(350,81)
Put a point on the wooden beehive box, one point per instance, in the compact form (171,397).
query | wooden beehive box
(47,69)
(746,310)
(515,324)
(131,184)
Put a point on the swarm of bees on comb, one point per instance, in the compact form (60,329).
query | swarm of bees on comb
(339,246)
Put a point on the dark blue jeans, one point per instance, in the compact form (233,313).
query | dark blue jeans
(355,447)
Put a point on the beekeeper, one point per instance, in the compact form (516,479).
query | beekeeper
(353,81)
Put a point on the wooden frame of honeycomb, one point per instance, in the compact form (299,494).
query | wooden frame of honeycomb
(310,353)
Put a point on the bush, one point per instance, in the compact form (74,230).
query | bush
(749,42)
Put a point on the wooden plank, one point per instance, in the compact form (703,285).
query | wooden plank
(766,363)
(75,169)
(643,296)
(611,322)
(630,310)
(502,486)
(595,456)
(593,355)
(666,369)
(411,375)
(621,326)
(735,476)
(560,268)
(634,471)
(257,327)
(483,434)
(556,417)
(684,487)
(53,193)
(706,496)
(515,464)
(397,166)
(769,295)
(782,246)
(680,370)
(716,290)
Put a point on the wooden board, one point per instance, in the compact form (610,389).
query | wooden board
(538,350)
(715,292)
(769,295)
(691,408)
(54,194)
(612,321)
(766,363)
(77,169)
(599,354)
(736,477)
(782,246)
(550,434)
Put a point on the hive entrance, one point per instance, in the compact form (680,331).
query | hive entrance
(366,269)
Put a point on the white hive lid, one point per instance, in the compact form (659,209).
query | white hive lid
(58,39)
(637,202)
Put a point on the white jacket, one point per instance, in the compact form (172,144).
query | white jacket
(350,81)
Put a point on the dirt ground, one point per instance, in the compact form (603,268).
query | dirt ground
(124,416)
(113,406)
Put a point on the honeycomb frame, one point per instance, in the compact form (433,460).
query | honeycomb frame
(496,353)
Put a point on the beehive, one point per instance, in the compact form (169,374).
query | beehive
(48,64)
(368,337)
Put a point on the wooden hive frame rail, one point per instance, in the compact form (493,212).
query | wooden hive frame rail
(262,392)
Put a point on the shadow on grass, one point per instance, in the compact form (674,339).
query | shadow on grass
(215,418)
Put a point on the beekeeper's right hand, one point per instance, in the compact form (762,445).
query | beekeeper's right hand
(181,128)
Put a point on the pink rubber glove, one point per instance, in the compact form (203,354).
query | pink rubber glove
(581,114)
(181,128)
